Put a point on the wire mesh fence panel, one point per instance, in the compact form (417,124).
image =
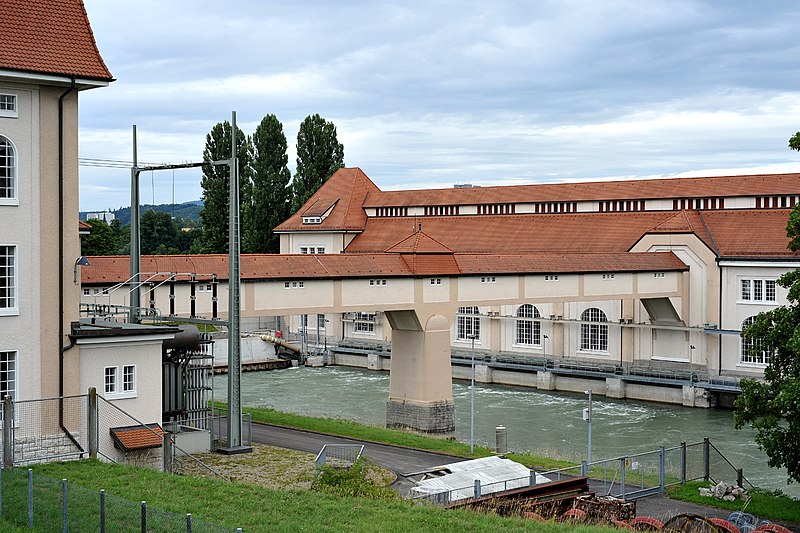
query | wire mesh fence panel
(85,508)
(50,429)
(695,461)
(124,439)
(721,469)
(674,465)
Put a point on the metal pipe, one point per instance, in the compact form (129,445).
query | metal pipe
(136,251)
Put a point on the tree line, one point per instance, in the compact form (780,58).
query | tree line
(267,193)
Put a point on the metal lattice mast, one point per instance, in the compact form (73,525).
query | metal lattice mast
(234,341)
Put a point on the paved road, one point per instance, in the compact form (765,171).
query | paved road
(398,460)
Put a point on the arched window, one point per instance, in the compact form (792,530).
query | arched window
(8,170)
(468,327)
(752,350)
(528,331)
(594,337)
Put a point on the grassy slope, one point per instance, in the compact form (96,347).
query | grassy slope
(256,508)
(763,505)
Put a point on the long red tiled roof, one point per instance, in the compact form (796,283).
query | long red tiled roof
(504,234)
(708,187)
(110,270)
(347,188)
(49,37)
(749,232)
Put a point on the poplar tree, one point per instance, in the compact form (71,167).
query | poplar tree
(319,155)
(215,183)
(271,193)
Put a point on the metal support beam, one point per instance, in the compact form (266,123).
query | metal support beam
(135,236)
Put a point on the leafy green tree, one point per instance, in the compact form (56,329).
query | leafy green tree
(794,142)
(772,406)
(122,234)
(159,233)
(271,193)
(100,241)
(215,185)
(319,155)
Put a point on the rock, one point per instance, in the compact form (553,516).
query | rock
(729,498)
(705,492)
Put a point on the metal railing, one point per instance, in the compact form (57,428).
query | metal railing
(628,477)
(339,455)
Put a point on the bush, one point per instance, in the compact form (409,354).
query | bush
(359,480)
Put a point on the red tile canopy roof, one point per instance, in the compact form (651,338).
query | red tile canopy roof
(132,438)
(49,37)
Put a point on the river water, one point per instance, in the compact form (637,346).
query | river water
(545,423)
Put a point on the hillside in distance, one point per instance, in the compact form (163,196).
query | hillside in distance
(186,210)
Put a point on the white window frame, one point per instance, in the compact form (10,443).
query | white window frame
(527,330)
(436,281)
(9,358)
(114,384)
(762,356)
(364,323)
(469,325)
(9,280)
(129,379)
(12,197)
(594,336)
(756,290)
(5,111)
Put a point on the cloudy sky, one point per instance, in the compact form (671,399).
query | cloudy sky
(433,93)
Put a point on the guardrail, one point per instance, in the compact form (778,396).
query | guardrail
(339,455)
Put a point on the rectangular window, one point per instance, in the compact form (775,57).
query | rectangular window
(658,275)
(8,279)
(321,321)
(86,292)
(304,249)
(468,327)
(110,379)
(488,279)
(757,290)
(377,282)
(364,323)
(436,281)
(8,171)
(129,378)
(8,374)
(551,277)
(608,276)
(8,105)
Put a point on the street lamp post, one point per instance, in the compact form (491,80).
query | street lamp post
(472,398)
(587,416)
(544,344)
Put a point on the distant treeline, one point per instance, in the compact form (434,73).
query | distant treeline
(185,211)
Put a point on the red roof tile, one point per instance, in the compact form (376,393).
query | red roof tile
(137,437)
(112,270)
(717,186)
(752,233)
(511,234)
(347,188)
(50,37)
(419,243)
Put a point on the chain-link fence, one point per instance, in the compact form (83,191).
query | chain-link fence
(48,504)
(49,429)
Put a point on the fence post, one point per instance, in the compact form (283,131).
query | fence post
(167,451)
(739,477)
(706,458)
(661,469)
(532,481)
(623,465)
(8,432)
(189,523)
(30,498)
(683,463)
(91,422)
(584,468)
(102,511)
(477,488)
(64,505)
(144,517)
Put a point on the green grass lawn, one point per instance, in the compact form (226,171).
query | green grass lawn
(763,504)
(257,509)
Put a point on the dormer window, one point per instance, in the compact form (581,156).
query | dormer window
(312,220)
